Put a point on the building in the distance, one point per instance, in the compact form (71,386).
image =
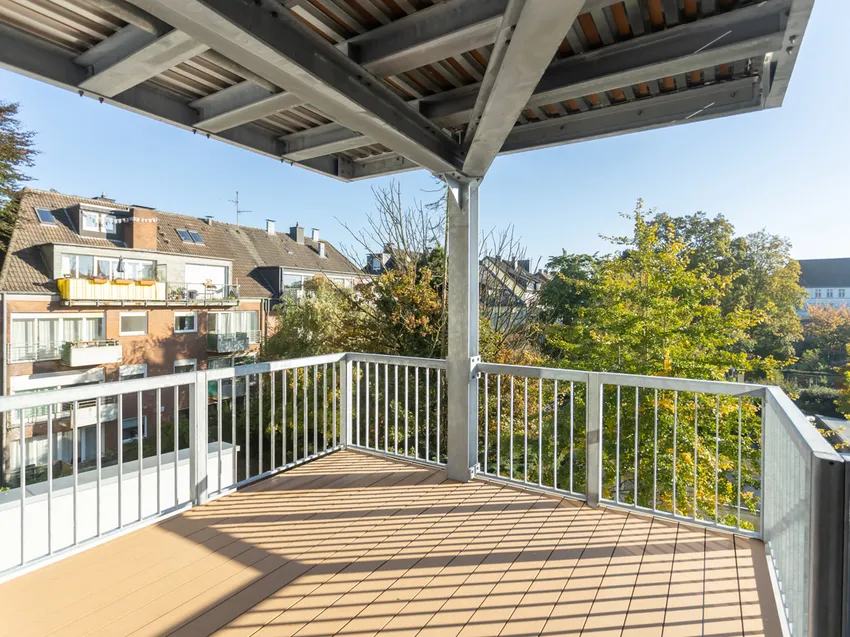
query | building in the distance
(95,291)
(827,281)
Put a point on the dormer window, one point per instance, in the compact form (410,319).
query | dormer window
(97,222)
(45,216)
(91,222)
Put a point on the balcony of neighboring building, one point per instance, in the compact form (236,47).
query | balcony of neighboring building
(232,332)
(89,353)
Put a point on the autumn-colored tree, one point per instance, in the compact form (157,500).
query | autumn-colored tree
(843,402)
(16,153)
(828,332)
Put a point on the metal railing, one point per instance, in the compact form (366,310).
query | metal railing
(34,352)
(399,406)
(731,456)
(200,292)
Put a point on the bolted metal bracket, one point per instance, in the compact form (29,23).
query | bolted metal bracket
(473,366)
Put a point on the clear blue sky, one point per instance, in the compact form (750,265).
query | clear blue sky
(785,170)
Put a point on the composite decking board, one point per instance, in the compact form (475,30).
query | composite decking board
(357,544)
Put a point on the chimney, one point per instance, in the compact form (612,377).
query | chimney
(322,254)
(209,220)
(315,235)
(296,233)
(270,227)
(141,229)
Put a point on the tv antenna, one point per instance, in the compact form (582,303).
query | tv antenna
(239,211)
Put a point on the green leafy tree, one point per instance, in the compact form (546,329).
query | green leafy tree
(16,153)
(843,402)
(568,292)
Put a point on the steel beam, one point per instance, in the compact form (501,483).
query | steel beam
(782,64)
(737,34)
(513,73)
(321,140)
(136,65)
(281,49)
(389,164)
(694,104)
(462,398)
(240,104)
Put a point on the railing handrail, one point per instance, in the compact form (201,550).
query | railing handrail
(389,359)
(808,437)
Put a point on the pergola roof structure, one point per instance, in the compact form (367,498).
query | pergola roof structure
(358,88)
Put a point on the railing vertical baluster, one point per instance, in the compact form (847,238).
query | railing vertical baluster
(218,403)
(377,404)
(260,424)
(306,408)
(498,424)
(325,406)
(333,401)
(555,436)
(427,414)
(572,430)
(655,457)
(617,476)
(696,450)
(386,407)
(247,426)
(283,421)
(22,483)
(368,403)
(272,451)
(675,441)
(345,411)
(439,383)
(637,437)
(140,448)
(511,428)
(540,432)
(75,460)
(357,393)
(486,419)
(295,414)
(395,408)
(120,444)
(738,512)
(525,431)
(315,409)
(406,412)
(416,412)
(717,457)
(233,445)
(50,479)
(98,462)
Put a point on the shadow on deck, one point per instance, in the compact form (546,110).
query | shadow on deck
(354,544)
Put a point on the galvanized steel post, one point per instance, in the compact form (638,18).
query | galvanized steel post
(198,483)
(345,402)
(594,439)
(462,356)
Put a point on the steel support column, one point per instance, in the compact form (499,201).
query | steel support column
(463,330)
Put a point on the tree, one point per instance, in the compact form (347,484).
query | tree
(828,332)
(563,297)
(16,153)
(843,402)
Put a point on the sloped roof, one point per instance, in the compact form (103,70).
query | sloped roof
(247,248)
(825,273)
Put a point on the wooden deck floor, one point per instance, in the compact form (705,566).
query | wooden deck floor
(353,544)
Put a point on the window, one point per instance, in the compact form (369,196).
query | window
(129,372)
(185,322)
(134,323)
(818,294)
(190,236)
(196,237)
(233,323)
(86,266)
(184,236)
(45,216)
(91,221)
(110,224)
(219,363)
(840,293)
(130,429)
(39,337)
(185,365)
(829,293)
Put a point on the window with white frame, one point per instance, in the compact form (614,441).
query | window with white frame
(99,222)
(185,365)
(185,322)
(130,372)
(84,266)
(130,428)
(36,337)
(829,292)
(91,221)
(841,292)
(234,323)
(77,266)
(134,323)
(818,293)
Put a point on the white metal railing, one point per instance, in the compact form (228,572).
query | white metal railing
(398,406)
(732,456)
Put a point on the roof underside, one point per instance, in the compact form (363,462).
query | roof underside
(359,88)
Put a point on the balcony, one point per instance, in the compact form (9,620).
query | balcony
(585,513)
(90,353)
(228,343)
(97,292)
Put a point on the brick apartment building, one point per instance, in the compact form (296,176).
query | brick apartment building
(95,291)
